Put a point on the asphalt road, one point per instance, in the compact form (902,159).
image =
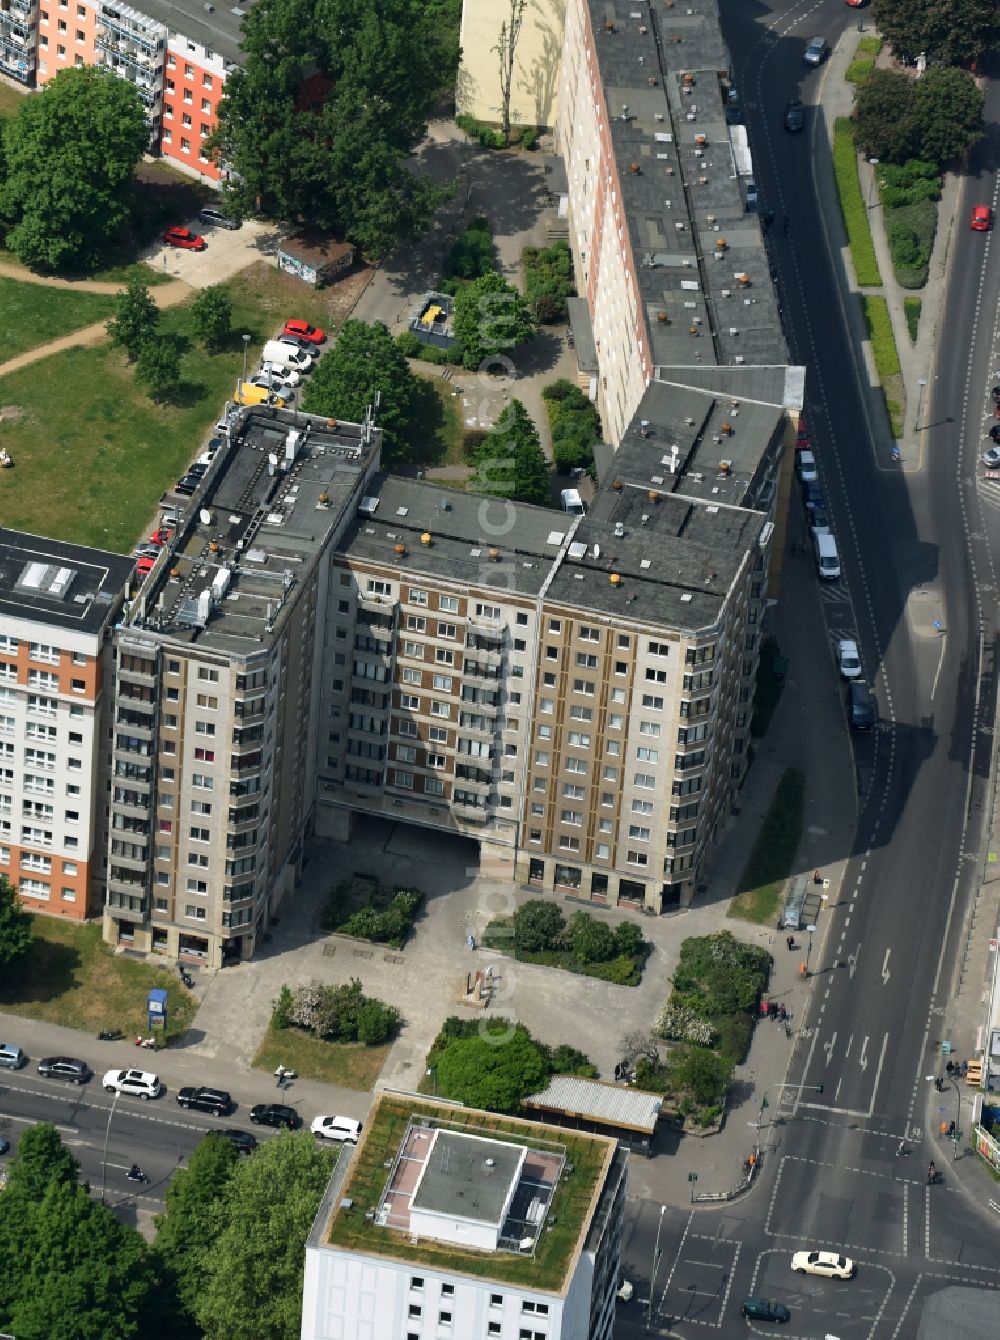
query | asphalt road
(916,551)
(158,1134)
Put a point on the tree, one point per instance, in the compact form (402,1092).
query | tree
(41,1158)
(212,316)
(70,152)
(592,941)
(538,925)
(628,939)
(510,460)
(952,31)
(490,317)
(252,1285)
(135,320)
(494,1070)
(506,50)
(82,1275)
(885,116)
(330,99)
(701,1073)
(186,1231)
(159,367)
(948,106)
(364,363)
(15,925)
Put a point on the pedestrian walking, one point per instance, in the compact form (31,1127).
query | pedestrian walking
(790,941)
(279,1076)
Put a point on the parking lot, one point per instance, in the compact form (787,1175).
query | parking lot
(226,252)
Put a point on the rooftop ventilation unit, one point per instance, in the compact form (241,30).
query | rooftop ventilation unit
(367,506)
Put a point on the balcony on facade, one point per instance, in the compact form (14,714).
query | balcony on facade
(17,53)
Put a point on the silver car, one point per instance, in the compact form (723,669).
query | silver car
(816,52)
(216,217)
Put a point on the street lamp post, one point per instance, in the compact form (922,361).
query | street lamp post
(921,383)
(873,164)
(653,1269)
(246,346)
(800,1088)
(809,947)
(107,1137)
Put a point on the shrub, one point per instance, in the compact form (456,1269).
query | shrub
(628,939)
(700,1073)
(529,138)
(680,1023)
(548,279)
(281,1014)
(495,1064)
(409,345)
(910,233)
(390,925)
(566,1060)
(852,204)
(537,926)
(911,309)
(574,423)
(377,1022)
(472,253)
(592,941)
(338,1013)
(472,441)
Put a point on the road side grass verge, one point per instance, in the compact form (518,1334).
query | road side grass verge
(865,55)
(92,452)
(852,204)
(911,308)
(71,977)
(351,1065)
(770,864)
(31,314)
(886,355)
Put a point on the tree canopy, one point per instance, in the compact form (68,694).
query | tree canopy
(954,32)
(364,362)
(493,1070)
(70,152)
(490,318)
(135,320)
(15,925)
(71,1270)
(510,460)
(212,316)
(936,118)
(330,99)
(252,1282)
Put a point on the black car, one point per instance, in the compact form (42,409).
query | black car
(734,114)
(199,469)
(995,432)
(764,1309)
(275,1114)
(245,1142)
(860,706)
(795,117)
(65,1067)
(297,342)
(206,1100)
(812,495)
(187,484)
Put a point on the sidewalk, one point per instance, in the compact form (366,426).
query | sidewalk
(916,359)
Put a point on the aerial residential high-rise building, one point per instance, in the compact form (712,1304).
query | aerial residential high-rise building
(450,1222)
(58,605)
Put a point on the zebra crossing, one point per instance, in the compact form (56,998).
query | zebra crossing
(989,487)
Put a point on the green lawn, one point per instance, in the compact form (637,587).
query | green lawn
(71,977)
(31,315)
(10,100)
(852,203)
(92,453)
(860,69)
(441,428)
(351,1065)
(773,854)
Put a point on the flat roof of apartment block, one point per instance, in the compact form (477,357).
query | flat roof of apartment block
(67,586)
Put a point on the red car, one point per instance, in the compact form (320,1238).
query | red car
(160,536)
(857,4)
(144,567)
(303,331)
(982,219)
(184,238)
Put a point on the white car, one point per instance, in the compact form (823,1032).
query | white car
(806,465)
(287,376)
(342,1130)
(139,1083)
(848,659)
(823,1263)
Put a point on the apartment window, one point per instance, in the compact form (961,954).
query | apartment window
(416,1281)
(651,728)
(413,649)
(579,739)
(586,660)
(645,755)
(534,835)
(204,755)
(448,630)
(488,611)
(437,734)
(443,656)
(642,807)
(496,1300)
(541,758)
(80,35)
(545,732)
(572,791)
(62,24)
(537,809)
(206,105)
(589,634)
(415,1310)
(404,779)
(546,705)
(206,700)
(584,686)
(656,676)
(449,604)
(410,702)
(415,596)
(433,786)
(411,676)
(637,858)
(447,1291)
(437,761)
(440,710)
(576,765)
(188,71)
(659,648)
(552,653)
(203,727)
(574,817)
(408,728)
(196,886)
(185,146)
(444,1318)
(199,779)
(580,713)
(206,81)
(638,833)
(195,913)
(653,701)
(645,780)
(199,834)
(602,851)
(60,51)
(201,807)
(416,623)
(548,680)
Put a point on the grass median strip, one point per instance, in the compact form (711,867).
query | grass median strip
(911,307)
(773,854)
(886,356)
(866,53)
(852,204)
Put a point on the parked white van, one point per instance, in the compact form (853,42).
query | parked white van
(571,502)
(286,356)
(827,558)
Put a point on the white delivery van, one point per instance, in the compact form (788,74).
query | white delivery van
(571,502)
(827,558)
(286,356)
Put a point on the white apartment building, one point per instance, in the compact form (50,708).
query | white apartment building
(480,1229)
(58,606)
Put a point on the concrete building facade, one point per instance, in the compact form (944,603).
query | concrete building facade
(534,88)
(463,1201)
(58,606)
(217,666)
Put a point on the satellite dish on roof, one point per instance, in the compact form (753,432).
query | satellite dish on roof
(205,517)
